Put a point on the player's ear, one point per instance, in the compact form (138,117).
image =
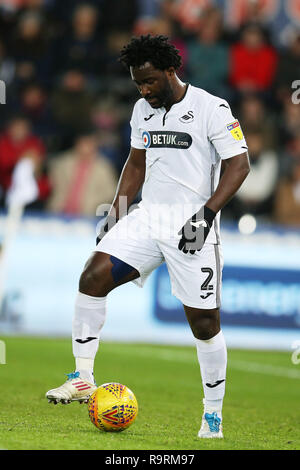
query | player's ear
(170,71)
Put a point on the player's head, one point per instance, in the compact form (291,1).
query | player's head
(152,62)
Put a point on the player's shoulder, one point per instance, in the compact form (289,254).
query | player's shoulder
(141,109)
(207,100)
(141,106)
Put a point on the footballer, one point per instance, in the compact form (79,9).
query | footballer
(180,136)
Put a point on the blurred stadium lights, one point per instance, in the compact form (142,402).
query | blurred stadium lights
(247,224)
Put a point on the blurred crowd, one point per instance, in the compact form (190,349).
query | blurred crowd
(69,101)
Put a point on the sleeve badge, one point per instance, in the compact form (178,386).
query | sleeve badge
(235,129)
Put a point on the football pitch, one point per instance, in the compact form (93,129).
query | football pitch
(261,406)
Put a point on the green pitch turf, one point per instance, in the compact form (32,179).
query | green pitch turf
(261,409)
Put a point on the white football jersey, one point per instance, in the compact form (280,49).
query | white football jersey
(184,148)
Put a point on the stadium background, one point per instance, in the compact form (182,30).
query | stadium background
(68,104)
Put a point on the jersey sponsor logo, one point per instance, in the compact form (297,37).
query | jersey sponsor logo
(235,129)
(187,118)
(146,139)
(167,139)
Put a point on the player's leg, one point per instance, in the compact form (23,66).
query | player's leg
(102,273)
(117,260)
(212,357)
(196,282)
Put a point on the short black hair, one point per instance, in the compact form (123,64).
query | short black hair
(154,49)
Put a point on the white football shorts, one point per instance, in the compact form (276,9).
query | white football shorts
(195,279)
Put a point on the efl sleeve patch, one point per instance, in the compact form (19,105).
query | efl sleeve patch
(235,129)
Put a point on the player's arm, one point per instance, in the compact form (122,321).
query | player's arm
(130,182)
(235,172)
(225,134)
(195,231)
(131,179)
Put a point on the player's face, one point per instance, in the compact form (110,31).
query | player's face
(153,84)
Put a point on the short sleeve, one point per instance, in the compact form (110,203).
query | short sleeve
(225,133)
(136,137)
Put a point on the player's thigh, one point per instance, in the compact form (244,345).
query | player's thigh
(103,272)
(131,250)
(195,279)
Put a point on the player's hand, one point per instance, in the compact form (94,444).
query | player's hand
(107,224)
(195,231)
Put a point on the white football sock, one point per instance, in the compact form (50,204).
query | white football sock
(212,357)
(88,320)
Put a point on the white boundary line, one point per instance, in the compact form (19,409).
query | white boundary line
(245,366)
(265,369)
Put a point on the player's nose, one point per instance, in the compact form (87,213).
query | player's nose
(144,91)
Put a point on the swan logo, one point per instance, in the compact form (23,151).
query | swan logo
(187,118)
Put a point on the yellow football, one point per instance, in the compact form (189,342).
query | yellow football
(112,407)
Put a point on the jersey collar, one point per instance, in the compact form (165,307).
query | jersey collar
(179,101)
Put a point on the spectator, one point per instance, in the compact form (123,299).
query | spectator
(61,10)
(81,48)
(290,156)
(289,122)
(120,17)
(188,13)
(18,142)
(114,70)
(29,47)
(287,200)
(12,5)
(208,56)
(254,115)
(7,65)
(166,27)
(82,179)
(148,9)
(288,68)
(44,8)
(8,18)
(242,12)
(252,62)
(257,192)
(7,74)
(34,104)
(72,103)
(106,117)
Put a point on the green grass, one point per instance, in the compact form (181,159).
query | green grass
(261,406)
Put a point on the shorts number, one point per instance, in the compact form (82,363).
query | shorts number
(205,285)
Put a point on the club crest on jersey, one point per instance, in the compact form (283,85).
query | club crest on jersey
(235,129)
(167,139)
(187,118)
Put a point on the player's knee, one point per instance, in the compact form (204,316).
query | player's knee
(95,281)
(205,325)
